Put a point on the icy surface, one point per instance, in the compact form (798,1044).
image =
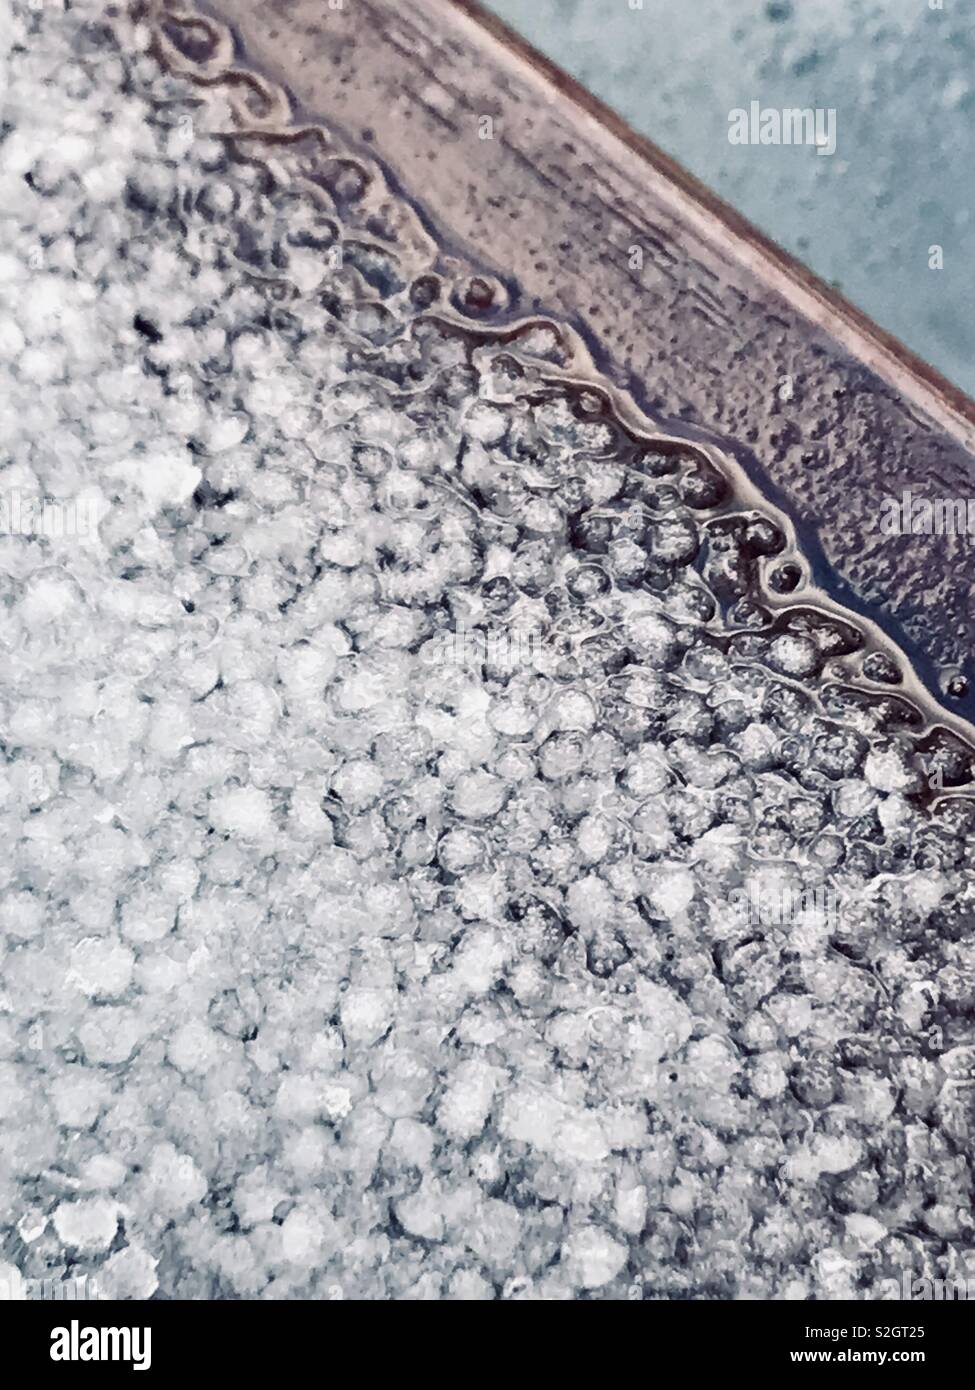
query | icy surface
(428,871)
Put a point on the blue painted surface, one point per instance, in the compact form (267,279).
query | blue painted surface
(900,76)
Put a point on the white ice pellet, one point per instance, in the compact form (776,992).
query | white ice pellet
(485,423)
(925,891)
(631,1208)
(101,966)
(647,772)
(174,1180)
(854,798)
(110,1035)
(594,837)
(130,1273)
(477,795)
(653,636)
(242,811)
(590,902)
(87,1225)
(671,891)
(304,1236)
(592,1258)
(420,1214)
(467,1099)
(768,1078)
(365,1015)
(666,1021)
(793,655)
(888,771)
(867,1231)
(78,1101)
(165,479)
(580,1138)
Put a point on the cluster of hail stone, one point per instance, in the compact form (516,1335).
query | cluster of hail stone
(395,788)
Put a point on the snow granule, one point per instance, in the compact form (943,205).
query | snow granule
(592,1258)
(87,1225)
(244,812)
(101,966)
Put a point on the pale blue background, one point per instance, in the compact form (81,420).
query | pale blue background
(902,79)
